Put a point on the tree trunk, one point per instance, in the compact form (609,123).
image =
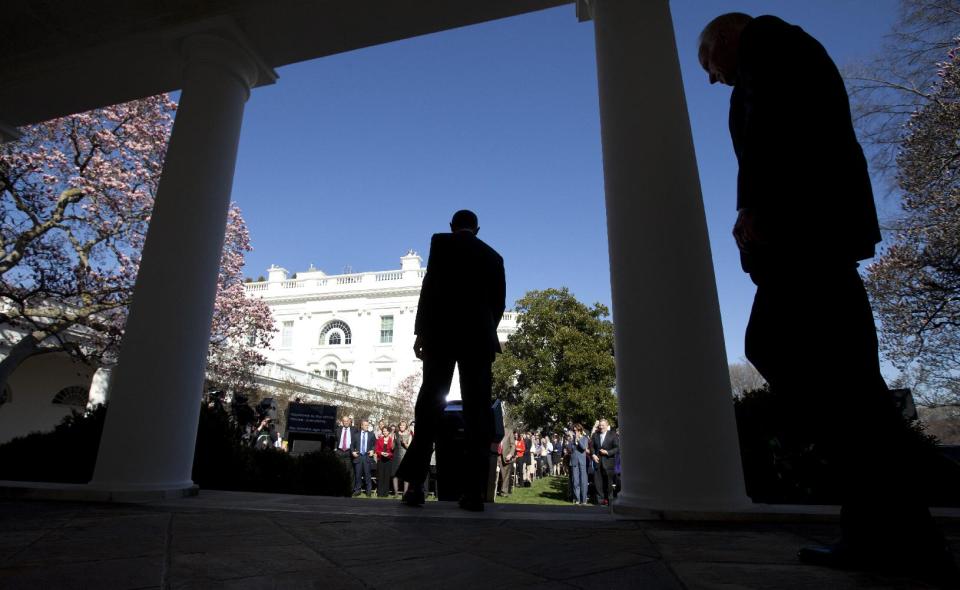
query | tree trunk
(21,351)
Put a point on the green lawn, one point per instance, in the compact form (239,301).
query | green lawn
(544,491)
(550,491)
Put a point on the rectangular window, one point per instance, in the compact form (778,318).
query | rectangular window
(383,379)
(386,329)
(286,335)
(345,375)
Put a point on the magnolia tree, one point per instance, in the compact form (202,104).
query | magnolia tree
(406,394)
(915,284)
(76,194)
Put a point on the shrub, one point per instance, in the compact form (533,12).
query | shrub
(67,454)
(783,466)
(221,461)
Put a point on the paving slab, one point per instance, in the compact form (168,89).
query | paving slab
(251,541)
(115,574)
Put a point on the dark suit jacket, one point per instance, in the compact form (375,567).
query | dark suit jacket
(338,437)
(801,168)
(611,442)
(371,445)
(463,295)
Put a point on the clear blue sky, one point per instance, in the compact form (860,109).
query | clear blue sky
(355,158)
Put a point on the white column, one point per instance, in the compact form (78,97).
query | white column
(150,431)
(679,440)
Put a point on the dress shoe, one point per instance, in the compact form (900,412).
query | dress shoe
(931,565)
(413,498)
(356,493)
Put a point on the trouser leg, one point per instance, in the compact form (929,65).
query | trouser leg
(827,313)
(367,473)
(357,476)
(432,399)
(476,381)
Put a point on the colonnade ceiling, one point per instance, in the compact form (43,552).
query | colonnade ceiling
(59,57)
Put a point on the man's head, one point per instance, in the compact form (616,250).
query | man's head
(364,424)
(465,220)
(604,425)
(719,45)
(345,421)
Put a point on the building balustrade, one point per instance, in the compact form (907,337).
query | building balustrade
(411,277)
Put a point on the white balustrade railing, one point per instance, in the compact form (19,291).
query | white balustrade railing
(336,280)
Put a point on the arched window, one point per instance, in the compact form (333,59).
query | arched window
(330,370)
(74,395)
(336,332)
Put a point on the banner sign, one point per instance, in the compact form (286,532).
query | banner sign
(316,419)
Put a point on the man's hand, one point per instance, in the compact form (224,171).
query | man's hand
(355,454)
(596,458)
(604,452)
(418,347)
(370,453)
(745,230)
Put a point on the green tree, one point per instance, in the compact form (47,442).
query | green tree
(558,366)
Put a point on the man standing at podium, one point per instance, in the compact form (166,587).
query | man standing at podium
(461,303)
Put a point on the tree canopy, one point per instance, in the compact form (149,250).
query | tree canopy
(558,367)
(76,195)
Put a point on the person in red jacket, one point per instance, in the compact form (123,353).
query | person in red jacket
(521,452)
(384,452)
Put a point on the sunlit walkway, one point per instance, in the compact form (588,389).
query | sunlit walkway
(240,540)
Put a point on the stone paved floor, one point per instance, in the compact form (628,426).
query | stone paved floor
(234,540)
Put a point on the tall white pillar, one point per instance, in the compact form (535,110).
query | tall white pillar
(150,431)
(679,441)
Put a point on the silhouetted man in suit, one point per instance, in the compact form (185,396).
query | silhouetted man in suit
(461,302)
(806,216)
(364,442)
(606,445)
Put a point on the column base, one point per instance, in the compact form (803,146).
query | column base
(639,508)
(78,492)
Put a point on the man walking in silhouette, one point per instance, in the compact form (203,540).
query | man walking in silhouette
(461,303)
(806,216)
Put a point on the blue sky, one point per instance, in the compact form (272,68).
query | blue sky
(353,159)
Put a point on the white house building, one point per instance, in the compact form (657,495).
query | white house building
(357,328)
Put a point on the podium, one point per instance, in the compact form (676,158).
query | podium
(451,453)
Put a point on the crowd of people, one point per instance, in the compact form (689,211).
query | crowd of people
(373,453)
(590,462)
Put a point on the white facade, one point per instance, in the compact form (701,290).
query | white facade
(356,328)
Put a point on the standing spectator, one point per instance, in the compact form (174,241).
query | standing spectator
(521,460)
(508,448)
(546,451)
(384,451)
(536,459)
(557,455)
(344,443)
(606,446)
(363,459)
(577,449)
(528,458)
(401,442)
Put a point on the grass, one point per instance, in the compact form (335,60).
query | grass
(545,491)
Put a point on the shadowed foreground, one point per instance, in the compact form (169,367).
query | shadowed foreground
(243,540)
